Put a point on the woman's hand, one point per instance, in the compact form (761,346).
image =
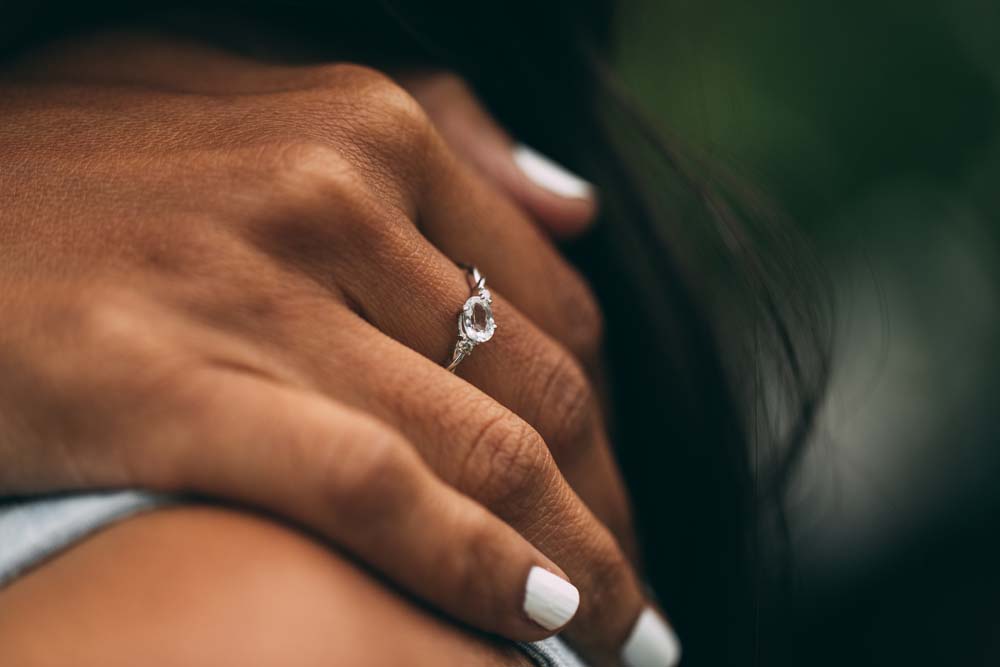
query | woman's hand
(249,294)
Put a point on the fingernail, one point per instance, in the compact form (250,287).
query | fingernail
(549,600)
(652,643)
(547,174)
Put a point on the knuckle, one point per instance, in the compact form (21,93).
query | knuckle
(318,200)
(389,130)
(610,574)
(355,137)
(85,368)
(202,245)
(367,475)
(373,99)
(129,369)
(391,103)
(507,466)
(353,76)
(566,406)
(110,319)
(304,167)
(481,551)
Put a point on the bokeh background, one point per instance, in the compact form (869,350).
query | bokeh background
(877,126)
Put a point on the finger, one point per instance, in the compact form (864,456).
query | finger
(359,484)
(473,224)
(488,453)
(562,202)
(527,269)
(417,301)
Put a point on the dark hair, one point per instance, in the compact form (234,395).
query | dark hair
(716,316)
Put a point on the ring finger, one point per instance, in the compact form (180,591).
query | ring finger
(521,367)
(489,454)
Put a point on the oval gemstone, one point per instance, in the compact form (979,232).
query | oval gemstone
(477,320)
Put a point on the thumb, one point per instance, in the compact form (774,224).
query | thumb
(562,202)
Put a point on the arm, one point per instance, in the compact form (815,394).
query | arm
(121,598)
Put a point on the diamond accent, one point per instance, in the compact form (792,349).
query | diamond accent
(476,321)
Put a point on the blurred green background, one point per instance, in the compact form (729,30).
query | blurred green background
(877,126)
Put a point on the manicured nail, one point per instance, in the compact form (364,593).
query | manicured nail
(549,175)
(652,643)
(549,600)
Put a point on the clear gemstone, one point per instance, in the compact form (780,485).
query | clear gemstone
(477,319)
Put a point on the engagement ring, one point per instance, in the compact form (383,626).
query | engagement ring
(475,322)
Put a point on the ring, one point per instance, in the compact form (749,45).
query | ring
(475,321)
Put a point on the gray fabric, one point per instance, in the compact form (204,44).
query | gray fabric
(552,652)
(31,530)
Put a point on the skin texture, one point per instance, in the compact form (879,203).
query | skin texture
(235,589)
(242,284)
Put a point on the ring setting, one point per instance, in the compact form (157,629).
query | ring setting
(475,321)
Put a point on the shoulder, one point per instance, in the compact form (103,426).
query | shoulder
(215,586)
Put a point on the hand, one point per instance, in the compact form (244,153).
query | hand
(566,312)
(247,294)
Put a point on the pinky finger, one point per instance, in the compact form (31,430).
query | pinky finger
(361,485)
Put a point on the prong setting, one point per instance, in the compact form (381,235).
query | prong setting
(476,324)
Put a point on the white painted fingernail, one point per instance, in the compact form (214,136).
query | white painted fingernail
(549,600)
(652,643)
(549,175)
